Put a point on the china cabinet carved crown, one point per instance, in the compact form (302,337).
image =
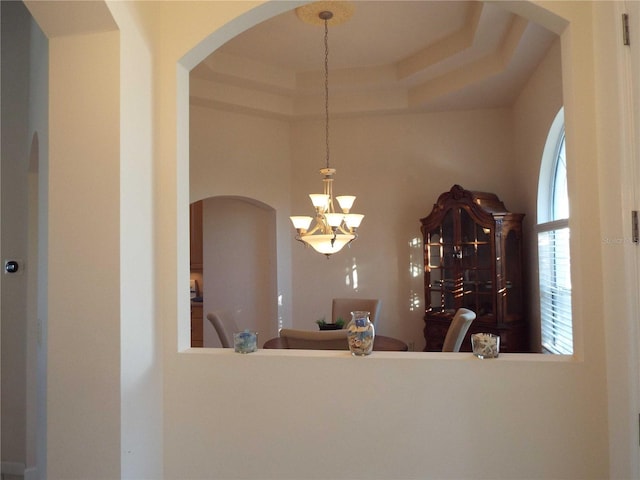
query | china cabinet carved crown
(473,259)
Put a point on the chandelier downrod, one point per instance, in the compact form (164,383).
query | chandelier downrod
(326,16)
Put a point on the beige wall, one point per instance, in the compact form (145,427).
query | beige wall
(233,154)
(226,415)
(533,114)
(84,248)
(15,161)
(413,391)
(38,246)
(397,166)
(619,167)
(140,334)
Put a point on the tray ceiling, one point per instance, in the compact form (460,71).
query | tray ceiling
(390,57)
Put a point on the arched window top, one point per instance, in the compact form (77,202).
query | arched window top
(559,195)
(553,198)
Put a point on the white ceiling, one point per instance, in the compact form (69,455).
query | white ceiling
(391,56)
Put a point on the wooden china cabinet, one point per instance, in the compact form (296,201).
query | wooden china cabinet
(473,259)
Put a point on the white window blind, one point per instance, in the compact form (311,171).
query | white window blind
(555,287)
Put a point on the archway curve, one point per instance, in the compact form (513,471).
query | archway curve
(245,21)
(253,201)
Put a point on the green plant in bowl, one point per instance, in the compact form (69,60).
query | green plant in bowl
(324,325)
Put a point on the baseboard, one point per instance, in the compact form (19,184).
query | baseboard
(12,468)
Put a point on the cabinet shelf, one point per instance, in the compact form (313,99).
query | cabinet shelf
(451,282)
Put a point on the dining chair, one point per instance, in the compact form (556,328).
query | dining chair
(314,340)
(225,326)
(458,329)
(342,308)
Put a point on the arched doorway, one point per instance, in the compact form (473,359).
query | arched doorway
(239,267)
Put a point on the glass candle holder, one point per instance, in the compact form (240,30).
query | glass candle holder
(485,345)
(245,342)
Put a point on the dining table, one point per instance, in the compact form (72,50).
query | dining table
(381,343)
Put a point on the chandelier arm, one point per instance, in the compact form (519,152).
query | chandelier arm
(317,227)
(345,231)
(321,225)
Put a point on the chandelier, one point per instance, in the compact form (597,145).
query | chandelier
(328,231)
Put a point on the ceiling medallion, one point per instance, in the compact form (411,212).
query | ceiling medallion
(310,13)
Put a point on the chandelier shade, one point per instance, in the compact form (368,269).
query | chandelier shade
(328,244)
(328,231)
(301,223)
(346,202)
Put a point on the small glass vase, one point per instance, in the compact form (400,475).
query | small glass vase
(360,333)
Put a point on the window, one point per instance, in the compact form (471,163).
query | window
(553,245)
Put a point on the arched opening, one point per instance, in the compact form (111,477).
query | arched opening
(433,146)
(238,275)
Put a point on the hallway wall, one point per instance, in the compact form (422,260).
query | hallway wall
(16,143)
